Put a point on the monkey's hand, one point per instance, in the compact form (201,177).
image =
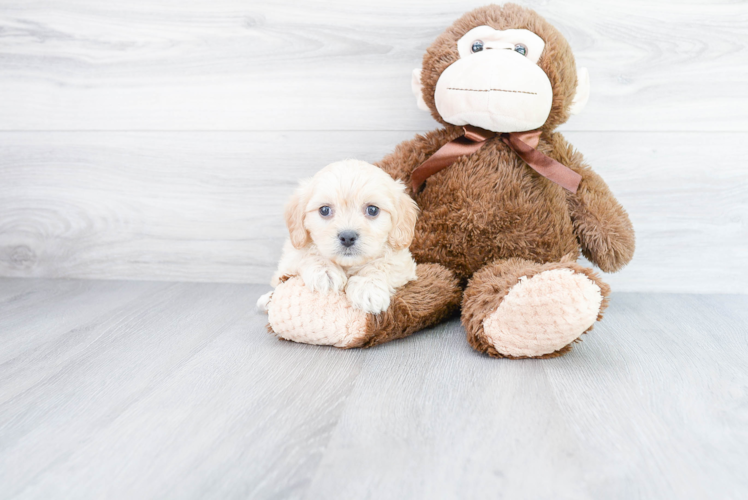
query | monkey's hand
(601,224)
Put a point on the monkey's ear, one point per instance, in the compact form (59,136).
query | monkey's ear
(583,92)
(294,214)
(417,88)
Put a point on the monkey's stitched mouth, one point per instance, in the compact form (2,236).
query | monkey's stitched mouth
(494,90)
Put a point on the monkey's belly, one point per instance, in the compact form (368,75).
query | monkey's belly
(466,224)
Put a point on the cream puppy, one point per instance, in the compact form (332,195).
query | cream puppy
(350,227)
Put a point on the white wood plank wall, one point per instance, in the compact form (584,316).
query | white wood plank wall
(153,139)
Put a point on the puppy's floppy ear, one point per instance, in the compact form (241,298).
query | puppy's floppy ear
(295,212)
(404,219)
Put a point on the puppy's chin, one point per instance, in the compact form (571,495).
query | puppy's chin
(350,258)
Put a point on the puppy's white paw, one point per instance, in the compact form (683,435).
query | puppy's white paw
(324,279)
(369,295)
(264,301)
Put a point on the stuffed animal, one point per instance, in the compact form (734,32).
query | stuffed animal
(507,205)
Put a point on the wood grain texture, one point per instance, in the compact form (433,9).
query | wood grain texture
(646,407)
(344,64)
(135,391)
(154,390)
(207,206)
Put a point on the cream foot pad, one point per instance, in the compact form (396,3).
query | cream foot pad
(542,314)
(299,315)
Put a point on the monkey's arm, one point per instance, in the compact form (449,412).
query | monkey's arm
(601,224)
(410,154)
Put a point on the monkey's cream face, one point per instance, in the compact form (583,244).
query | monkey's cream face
(353,211)
(496,84)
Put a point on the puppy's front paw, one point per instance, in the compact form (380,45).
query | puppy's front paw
(369,295)
(324,279)
(264,301)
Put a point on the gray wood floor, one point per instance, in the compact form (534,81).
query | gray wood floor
(112,389)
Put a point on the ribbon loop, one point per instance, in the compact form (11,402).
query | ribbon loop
(476,134)
(542,164)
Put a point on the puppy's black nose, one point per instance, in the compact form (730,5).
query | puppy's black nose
(348,238)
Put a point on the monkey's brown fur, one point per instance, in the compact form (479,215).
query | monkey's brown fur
(489,218)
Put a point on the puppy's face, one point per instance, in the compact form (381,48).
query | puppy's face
(353,212)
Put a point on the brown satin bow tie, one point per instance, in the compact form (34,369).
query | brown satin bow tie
(522,143)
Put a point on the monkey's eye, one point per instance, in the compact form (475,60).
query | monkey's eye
(520,49)
(477,46)
(372,211)
(325,211)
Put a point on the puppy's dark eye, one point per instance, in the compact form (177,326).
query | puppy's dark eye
(325,211)
(520,49)
(477,46)
(372,211)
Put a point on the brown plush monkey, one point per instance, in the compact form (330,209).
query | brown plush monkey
(502,222)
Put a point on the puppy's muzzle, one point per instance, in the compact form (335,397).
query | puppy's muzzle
(348,238)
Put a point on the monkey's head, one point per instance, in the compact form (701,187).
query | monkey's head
(501,68)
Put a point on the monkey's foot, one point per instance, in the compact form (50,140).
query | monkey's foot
(539,312)
(298,314)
